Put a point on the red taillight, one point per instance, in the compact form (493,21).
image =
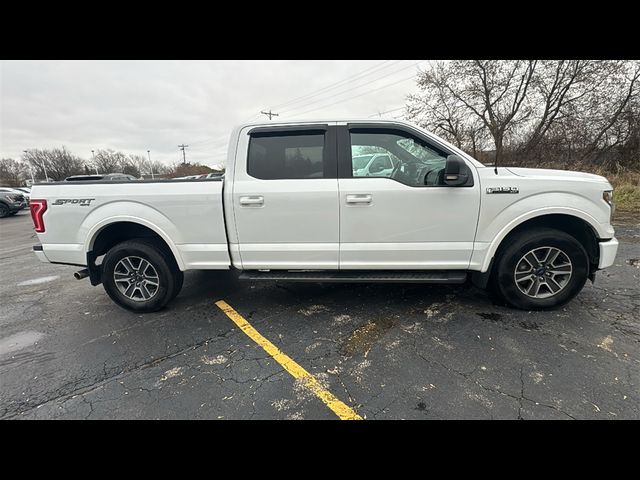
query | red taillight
(38,207)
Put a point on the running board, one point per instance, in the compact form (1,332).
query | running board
(356,276)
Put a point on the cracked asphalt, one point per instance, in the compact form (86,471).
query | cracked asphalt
(388,351)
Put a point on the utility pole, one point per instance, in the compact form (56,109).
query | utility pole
(150,164)
(93,156)
(182,147)
(270,114)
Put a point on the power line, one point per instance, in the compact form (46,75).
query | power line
(355,96)
(220,139)
(209,140)
(331,86)
(376,68)
(386,111)
(352,88)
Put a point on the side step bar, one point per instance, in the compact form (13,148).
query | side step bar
(359,276)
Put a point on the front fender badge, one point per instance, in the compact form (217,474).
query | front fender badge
(503,190)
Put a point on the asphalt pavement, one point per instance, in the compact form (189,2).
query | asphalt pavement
(385,351)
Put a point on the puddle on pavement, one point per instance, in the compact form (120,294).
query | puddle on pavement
(18,341)
(37,281)
(362,339)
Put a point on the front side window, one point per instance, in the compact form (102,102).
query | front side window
(286,156)
(396,155)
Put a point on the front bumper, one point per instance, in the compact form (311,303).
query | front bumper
(16,206)
(608,250)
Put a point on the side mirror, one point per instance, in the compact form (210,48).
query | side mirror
(456,172)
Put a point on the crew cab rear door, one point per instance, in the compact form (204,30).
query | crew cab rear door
(285,198)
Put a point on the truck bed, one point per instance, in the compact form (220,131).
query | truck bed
(187,215)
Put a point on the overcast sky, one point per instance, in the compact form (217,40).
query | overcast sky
(135,106)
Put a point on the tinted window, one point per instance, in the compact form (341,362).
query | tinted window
(404,158)
(287,156)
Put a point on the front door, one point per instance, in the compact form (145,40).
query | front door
(404,217)
(285,199)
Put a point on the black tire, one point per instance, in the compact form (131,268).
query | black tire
(178,284)
(169,276)
(4,210)
(503,283)
(178,274)
(13,213)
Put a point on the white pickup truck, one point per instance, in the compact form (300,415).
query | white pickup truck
(291,207)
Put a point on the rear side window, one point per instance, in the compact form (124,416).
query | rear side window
(288,155)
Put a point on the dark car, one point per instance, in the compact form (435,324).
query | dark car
(110,177)
(11,202)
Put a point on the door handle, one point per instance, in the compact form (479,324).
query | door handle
(254,200)
(360,199)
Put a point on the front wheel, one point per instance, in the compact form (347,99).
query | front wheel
(540,269)
(140,276)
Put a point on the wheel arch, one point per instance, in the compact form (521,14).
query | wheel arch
(579,227)
(110,232)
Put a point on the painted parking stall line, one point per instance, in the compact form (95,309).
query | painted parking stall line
(342,410)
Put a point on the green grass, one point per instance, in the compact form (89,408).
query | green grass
(626,191)
(627,197)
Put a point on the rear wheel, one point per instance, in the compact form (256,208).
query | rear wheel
(140,275)
(540,269)
(4,210)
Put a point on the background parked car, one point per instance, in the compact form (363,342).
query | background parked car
(26,193)
(201,176)
(112,177)
(377,164)
(11,202)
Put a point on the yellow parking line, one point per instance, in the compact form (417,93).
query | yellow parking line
(340,409)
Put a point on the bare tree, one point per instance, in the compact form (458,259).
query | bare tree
(159,168)
(58,163)
(438,110)
(180,169)
(491,92)
(143,166)
(109,161)
(612,112)
(134,165)
(12,172)
(536,111)
(556,86)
